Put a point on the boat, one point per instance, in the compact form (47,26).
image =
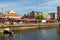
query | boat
(7,32)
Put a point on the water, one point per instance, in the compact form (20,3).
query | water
(35,34)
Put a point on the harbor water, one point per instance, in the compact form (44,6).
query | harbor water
(35,34)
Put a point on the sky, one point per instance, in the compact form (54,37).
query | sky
(25,6)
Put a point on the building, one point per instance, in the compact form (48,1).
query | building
(12,14)
(46,15)
(1,15)
(34,14)
(25,16)
(58,13)
(53,16)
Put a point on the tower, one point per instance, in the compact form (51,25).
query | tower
(58,13)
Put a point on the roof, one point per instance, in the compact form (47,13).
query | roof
(17,19)
(1,16)
(11,13)
(28,19)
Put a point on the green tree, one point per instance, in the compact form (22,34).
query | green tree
(40,17)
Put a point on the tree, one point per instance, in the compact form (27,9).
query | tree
(40,17)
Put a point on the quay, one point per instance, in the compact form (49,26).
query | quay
(29,26)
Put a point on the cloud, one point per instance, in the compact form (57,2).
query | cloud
(50,6)
(52,3)
(8,4)
(25,5)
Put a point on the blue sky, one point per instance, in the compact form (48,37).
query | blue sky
(26,6)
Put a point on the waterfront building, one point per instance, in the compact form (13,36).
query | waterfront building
(46,15)
(34,15)
(0,13)
(1,16)
(58,13)
(25,16)
(53,16)
(11,17)
(12,14)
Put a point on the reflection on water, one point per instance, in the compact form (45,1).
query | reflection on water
(35,34)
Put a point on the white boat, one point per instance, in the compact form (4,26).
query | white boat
(7,31)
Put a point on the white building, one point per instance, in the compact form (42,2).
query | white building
(12,14)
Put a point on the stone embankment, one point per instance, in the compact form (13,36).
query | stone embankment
(30,26)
